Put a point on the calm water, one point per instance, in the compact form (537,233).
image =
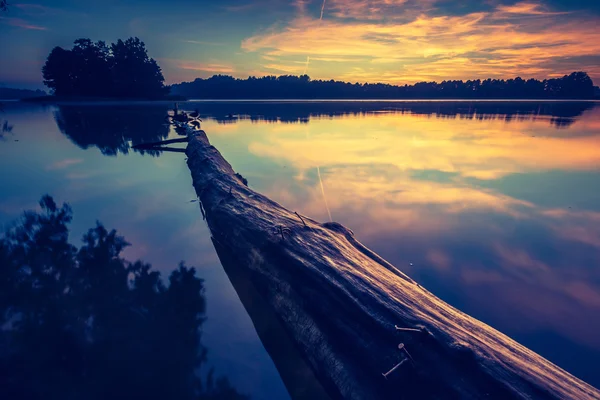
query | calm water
(494,207)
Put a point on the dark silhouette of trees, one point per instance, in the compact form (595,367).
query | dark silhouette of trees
(577,85)
(133,71)
(87,324)
(3,5)
(90,69)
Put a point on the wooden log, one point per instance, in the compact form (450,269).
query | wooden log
(340,305)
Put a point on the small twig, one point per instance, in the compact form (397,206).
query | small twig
(408,354)
(395,367)
(407,329)
(301,219)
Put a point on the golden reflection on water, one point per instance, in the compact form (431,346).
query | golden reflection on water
(420,191)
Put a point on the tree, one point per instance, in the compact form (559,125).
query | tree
(90,69)
(59,74)
(133,72)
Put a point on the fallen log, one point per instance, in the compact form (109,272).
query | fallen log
(346,311)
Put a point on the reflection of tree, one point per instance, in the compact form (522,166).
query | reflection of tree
(559,113)
(5,127)
(111,128)
(86,324)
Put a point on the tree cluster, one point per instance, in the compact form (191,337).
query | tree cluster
(87,324)
(577,85)
(90,69)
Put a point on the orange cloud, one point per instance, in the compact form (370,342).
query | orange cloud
(526,8)
(208,67)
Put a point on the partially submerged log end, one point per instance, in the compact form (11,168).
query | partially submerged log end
(364,328)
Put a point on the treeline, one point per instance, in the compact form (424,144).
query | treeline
(577,85)
(121,70)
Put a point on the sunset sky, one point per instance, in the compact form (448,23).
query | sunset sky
(393,41)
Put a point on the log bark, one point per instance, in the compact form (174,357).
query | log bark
(338,303)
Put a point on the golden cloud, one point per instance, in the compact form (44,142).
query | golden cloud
(497,43)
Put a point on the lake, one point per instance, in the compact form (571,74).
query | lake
(492,206)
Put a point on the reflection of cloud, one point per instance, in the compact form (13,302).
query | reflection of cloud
(575,226)
(77,176)
(494,43)
(439,259)
(583,292)
(519,258)
(62,164)
(416,143)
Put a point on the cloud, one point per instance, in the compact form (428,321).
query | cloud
(286,68)
(203,43)
(208,67)
(377,9)
(192,65)
(21,23)
(525,8)
(498,42)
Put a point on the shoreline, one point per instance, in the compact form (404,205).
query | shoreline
(83,100)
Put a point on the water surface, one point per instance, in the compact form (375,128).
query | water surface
(493,206)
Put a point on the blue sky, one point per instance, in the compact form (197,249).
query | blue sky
(394,41)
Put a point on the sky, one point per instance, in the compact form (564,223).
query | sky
(391,41)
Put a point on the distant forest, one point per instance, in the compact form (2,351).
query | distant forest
(577,85)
